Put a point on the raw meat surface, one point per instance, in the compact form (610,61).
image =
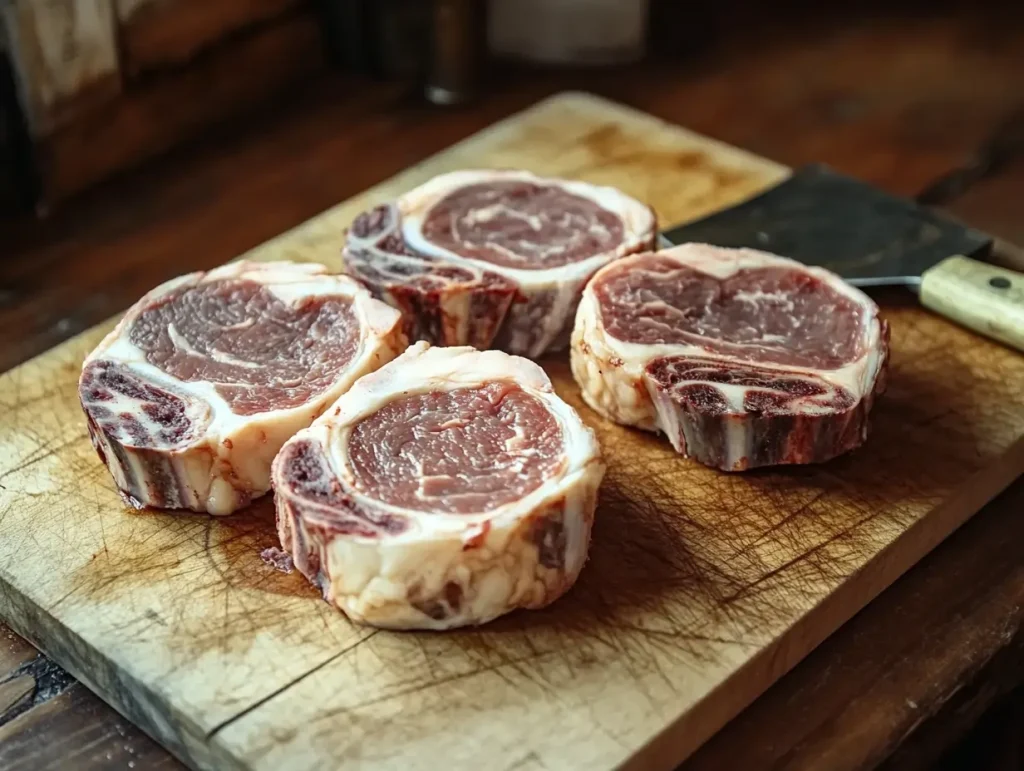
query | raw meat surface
(740,357)
(447,488)
(203,380)
(462,451)
(522,225)
(494,259)
(261,353)
(772,314)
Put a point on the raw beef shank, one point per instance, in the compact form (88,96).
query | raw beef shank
(494,259)
(740,357)
(447,488)
(190,397)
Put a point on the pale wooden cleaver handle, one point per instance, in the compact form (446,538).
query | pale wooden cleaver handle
(983,297)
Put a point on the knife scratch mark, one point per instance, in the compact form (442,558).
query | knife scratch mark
(278,691)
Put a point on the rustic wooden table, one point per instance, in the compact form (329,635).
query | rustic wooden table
(928,675)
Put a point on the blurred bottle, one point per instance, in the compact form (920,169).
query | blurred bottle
(575,32)
(400,31)
(345,25)
(440,45)
(457,51)
(384,38)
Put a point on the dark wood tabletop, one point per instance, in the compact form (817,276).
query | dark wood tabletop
(927,676)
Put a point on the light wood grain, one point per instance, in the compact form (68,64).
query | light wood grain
(701,590)
(982,297)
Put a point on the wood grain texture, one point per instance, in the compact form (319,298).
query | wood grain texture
(78,738)
(982,297)
(702,588)
(159,34)
(13,653)
(936,649)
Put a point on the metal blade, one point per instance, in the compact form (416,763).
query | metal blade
(913,283)
(820,217)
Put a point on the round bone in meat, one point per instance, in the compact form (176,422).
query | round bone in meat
(191,396)
(447,488)
(494,259)
(741,358)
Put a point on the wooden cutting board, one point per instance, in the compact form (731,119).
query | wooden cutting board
(702,588)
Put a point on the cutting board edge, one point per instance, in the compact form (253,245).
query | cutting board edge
(185,740)
(842,603)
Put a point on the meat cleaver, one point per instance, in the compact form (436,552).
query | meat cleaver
(871,238)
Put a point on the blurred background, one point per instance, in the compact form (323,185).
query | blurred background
(141,139)
(91,88)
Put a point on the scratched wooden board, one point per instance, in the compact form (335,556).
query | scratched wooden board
(701,590)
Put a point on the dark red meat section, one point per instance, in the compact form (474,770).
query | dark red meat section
(131,417)
(106,383)
(419,285)
(786,417)
(315,493)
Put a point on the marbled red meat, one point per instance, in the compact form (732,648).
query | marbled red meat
(740,357)
(522,225)
(203,380)
(772,314)
(260,353)
(460,451)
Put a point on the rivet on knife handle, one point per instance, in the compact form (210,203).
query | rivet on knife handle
(982,297)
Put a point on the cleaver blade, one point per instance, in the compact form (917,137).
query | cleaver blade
(872,238)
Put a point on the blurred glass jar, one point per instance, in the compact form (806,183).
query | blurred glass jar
(575,32)
(456,52)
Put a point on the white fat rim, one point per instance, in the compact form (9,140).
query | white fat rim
(415,206)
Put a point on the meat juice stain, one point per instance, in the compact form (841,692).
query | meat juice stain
(233,547)
(239,543)
(193,583)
